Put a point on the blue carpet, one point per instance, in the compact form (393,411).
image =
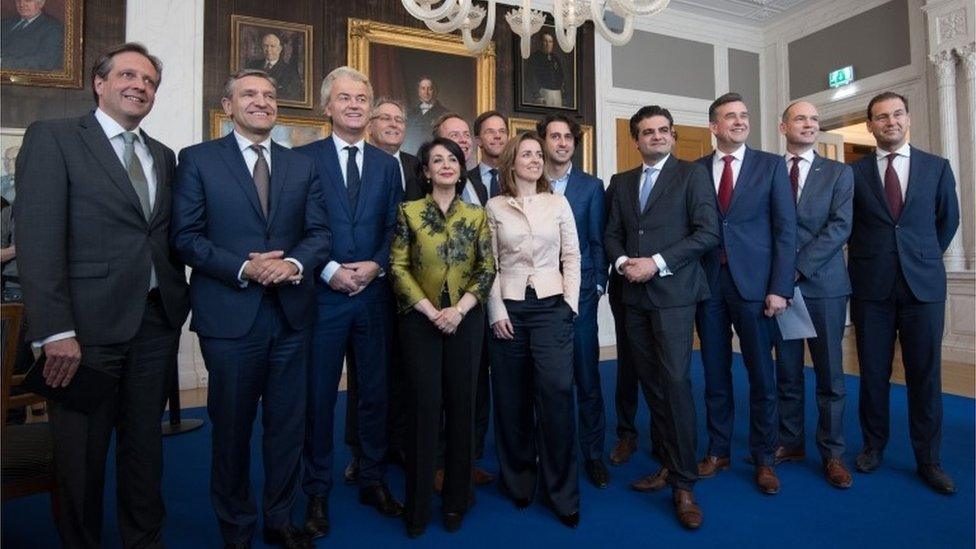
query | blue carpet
(890,508)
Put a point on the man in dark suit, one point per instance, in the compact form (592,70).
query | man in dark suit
(824,192)
(248,218)
(361,191)
(387,130)
(905,215)
(33,41)
(662,220)
(287,80)
(750,277)
(453,126)
(423,115)
(585,195)
(101,288)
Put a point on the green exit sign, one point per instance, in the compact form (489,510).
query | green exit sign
(841,77)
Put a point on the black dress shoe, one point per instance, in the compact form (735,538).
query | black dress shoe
(351,474)
(522,503)
(414,531)
(571,520)
(317,517)
(868,460)
(288,536)
(937,479)
(452,521)
(597,472)
(379,497)
(396,457)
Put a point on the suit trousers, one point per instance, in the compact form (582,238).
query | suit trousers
(625,390)
(266,365)
(586,371)
(918,326)
(366,327)
(715,318)
(828,316)
(441,372)
(134,410)
(532,383)
(661,341)
(482,407)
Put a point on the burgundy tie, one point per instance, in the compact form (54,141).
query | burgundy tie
(725,185)
(892,188)
(795,177)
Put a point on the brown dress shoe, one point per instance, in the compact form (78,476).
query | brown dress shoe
(482,477)
(651,483)
(711,465)
(689,513)
(622,451)
(767,480)
(439,481)
(784,454)
(837,474)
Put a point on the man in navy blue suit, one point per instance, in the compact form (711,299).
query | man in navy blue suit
(585,195)
(248,218)
(361,190)
(905,215)
(824,194)
(750,277)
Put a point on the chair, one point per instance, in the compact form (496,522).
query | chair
(28,450)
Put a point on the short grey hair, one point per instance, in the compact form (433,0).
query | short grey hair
(342,72)
(384,100)
(244,73)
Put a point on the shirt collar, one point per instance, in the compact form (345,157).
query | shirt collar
(738,154)
(112,128)
(342,144)
(809,155)
(565,176)
(905,150)
(485,170)
(397,154)
(244,143)
(659,165)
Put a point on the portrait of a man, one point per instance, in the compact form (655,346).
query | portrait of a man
(422,113)
(279,48)
(285,74)
(547,79)
(32,40)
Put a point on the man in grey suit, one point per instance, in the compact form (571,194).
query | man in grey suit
(102,288)
(824,191)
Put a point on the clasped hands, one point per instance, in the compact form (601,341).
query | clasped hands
(639,269)
(270,269)
(352,278)
(446,320)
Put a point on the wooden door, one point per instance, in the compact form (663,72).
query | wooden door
(693,143)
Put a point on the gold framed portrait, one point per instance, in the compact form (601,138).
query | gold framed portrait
(289,131)
(279,48)
(583,156)
(42,43)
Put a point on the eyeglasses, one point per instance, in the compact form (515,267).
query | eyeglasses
(387,118)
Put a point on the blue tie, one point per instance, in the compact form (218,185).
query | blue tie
(352,176)
(650,176)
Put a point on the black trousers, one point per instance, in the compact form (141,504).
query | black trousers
(625,390)
(134,410)
(661,342)
(441,372)
(535,415)
(918,326)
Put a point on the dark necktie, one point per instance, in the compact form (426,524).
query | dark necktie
(493,186)
(725,185)
(262,178)
(136,174)
(892,188)
(352,175)
(795,177)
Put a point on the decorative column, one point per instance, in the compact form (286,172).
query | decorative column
(945,70)
(967,180)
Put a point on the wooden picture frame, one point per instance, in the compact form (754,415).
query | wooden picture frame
(289,131)
(256,42)
(47,51)
(547,81)
(584,154)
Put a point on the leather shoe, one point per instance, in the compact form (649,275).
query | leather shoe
(317,517)
(414,531)
(651,483)
(439,481)
(766,480)
(351,474)
(837,474)
(452,521)
(622,451)
(522,503)
(379,497)
(689,513)
(868,460)
(937,479)
(597,472)
(784,454)
(288,536)
(482,477)
(571,520)
(711,465)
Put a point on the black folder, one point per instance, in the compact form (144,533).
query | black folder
(87,389)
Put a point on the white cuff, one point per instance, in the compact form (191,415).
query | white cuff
(241,281)
(330,270)
(53,338)
(620,261)
(296,263)
(662,266)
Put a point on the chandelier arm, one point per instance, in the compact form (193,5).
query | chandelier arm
(452,23)
(424,14)
(565,36)
(525,36)
(617,39)
(477,46)
(652,8)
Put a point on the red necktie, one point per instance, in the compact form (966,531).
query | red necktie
(725,185)
(892,188)
(795,177)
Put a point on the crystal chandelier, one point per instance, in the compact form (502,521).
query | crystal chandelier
(568,15)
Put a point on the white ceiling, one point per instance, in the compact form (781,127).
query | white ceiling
(748,12)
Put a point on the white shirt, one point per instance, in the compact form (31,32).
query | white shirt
(806,162)
(901,164)
(662,266)
(424,107)
(403,176)
(559,185)
(718,165)
(344,155)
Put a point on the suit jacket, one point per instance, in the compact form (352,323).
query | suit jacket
(480,187)
(585,195)
(680,222)
(288,81)
(363,232)
(411,166)
(823,224)
(84,247)
(759,231)
(218,221)
(880,245)
(615,282)
(38,47)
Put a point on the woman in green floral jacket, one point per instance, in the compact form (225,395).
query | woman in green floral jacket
(442,267)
